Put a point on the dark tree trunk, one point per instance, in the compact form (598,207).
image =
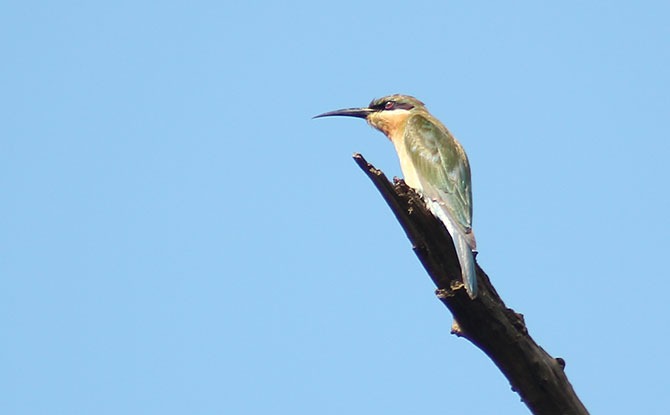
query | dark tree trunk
(485,321)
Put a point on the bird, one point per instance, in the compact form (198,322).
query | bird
(433,163)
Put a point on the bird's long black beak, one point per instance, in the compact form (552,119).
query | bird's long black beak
(347,112)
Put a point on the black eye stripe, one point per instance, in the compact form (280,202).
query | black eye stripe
(390,105)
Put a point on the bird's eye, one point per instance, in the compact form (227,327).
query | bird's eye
(389,105)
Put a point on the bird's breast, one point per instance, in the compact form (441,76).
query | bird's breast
(392,124)
(409,172)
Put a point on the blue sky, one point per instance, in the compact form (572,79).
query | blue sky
(179,236)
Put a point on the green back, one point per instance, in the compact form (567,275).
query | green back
(442,166)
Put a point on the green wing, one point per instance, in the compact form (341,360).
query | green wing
(442,166)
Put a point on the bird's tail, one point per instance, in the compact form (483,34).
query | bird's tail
(464,252)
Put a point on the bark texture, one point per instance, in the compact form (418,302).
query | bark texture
(498,331)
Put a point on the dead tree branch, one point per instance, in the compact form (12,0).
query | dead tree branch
(498,331)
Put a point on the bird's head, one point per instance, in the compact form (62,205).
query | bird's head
(387,114)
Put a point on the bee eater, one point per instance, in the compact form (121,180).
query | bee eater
(434,163)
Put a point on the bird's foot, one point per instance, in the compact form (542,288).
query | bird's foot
(442,293)
(454,285)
